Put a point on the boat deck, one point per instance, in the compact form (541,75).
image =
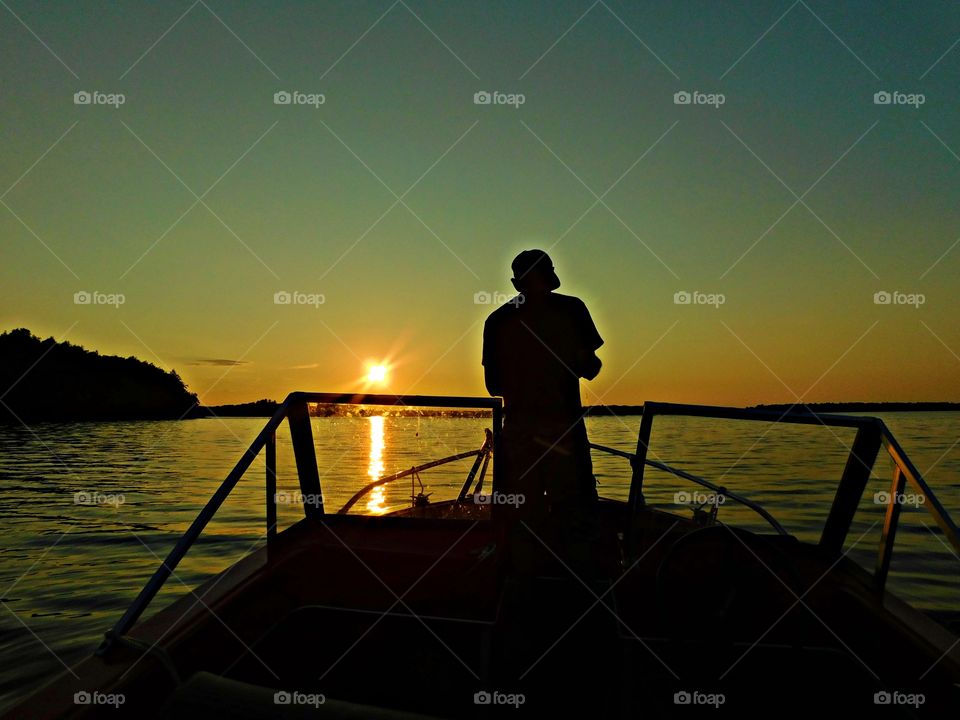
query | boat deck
(422,632)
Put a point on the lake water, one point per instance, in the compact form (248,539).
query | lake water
(89,509)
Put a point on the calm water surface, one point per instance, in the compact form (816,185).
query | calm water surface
(89,509)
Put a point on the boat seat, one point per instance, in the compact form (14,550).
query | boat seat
(206,695)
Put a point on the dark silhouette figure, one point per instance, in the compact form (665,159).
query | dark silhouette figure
(59,381)
(535,350)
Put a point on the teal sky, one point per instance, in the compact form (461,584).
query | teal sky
(303,199)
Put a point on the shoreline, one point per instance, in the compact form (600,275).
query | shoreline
(266,408)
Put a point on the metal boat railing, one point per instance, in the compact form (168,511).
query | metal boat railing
(872,434)
(295,410)
(718,490)
(481,455)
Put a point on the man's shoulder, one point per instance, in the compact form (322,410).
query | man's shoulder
(503,313)
(567,301)
(512,311)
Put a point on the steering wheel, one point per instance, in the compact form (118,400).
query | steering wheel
(724,579)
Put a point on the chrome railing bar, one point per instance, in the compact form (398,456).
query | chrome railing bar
(173,559)
(774,416)
(404,473)
(915,479)
(482,456)
(409,401)
(700,481)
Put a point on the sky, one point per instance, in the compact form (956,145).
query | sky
(785,235)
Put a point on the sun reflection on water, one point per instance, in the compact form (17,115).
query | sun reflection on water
(375,469)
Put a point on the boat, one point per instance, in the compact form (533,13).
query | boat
(411,614)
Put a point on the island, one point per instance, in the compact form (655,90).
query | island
(58,381)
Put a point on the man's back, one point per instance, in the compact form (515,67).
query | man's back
(534,349)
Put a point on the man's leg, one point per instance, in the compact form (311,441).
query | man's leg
(574,512)
(523,478)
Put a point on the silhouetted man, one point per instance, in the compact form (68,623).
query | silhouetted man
(535,350)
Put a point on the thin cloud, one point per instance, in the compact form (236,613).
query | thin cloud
(218,362)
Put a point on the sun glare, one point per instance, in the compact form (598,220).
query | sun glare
(377,374)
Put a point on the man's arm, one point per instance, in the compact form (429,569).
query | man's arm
(492,381)
(588,364)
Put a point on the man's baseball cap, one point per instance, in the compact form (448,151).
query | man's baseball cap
(534,261)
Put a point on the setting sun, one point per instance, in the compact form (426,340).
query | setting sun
(377,373)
